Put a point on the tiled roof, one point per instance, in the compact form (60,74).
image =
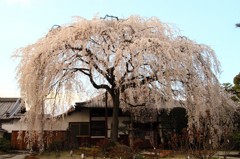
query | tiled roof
(99,101)
(96,102)
(10,108)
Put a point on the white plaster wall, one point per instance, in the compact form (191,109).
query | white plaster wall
(14,125)
(61,124)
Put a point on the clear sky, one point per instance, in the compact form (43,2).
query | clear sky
(210,22)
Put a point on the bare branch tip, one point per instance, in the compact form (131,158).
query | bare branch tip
(110,16)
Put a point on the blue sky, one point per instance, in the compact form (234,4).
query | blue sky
(210,22)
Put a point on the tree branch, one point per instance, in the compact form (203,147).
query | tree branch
(134,105)
(105,74)
(55,27)
(110,16)
(85,71)
(95,85)
(88,73)
(133,84)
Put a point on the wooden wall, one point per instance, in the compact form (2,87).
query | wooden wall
(20,142)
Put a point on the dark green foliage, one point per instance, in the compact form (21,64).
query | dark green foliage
(234,89)
(55,146)
(4,145)
(7,136)
(178,116)
(236,139)
(235,96)
(236,86)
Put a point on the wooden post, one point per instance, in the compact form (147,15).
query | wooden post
(106,115)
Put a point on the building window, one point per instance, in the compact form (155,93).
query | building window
(79,128)
(98,128)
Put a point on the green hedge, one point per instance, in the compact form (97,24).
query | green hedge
(4,145)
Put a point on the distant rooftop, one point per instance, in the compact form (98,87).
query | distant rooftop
(96,102)
(11,108)
(8,99)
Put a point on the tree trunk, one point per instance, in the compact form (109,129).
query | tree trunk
(41,133)
(115,122)
(131,144)
(41,136)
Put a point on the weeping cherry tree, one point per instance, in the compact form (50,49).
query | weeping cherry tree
(138,61)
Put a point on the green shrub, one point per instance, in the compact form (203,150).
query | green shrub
(236,139)
(55,146)
(4,145)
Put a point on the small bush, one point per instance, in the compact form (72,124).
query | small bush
(55,146)
(139,156)
(4,145)
(106,145)
(87,151)
(137,143)
(122,151)
(236,140)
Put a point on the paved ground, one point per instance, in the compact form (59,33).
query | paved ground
(229,157)
(221,153)
(13,156)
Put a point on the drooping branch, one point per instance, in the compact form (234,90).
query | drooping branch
(133,105)
(103,73)
(108,75)
(140,81)
(143,58)
(129,69)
